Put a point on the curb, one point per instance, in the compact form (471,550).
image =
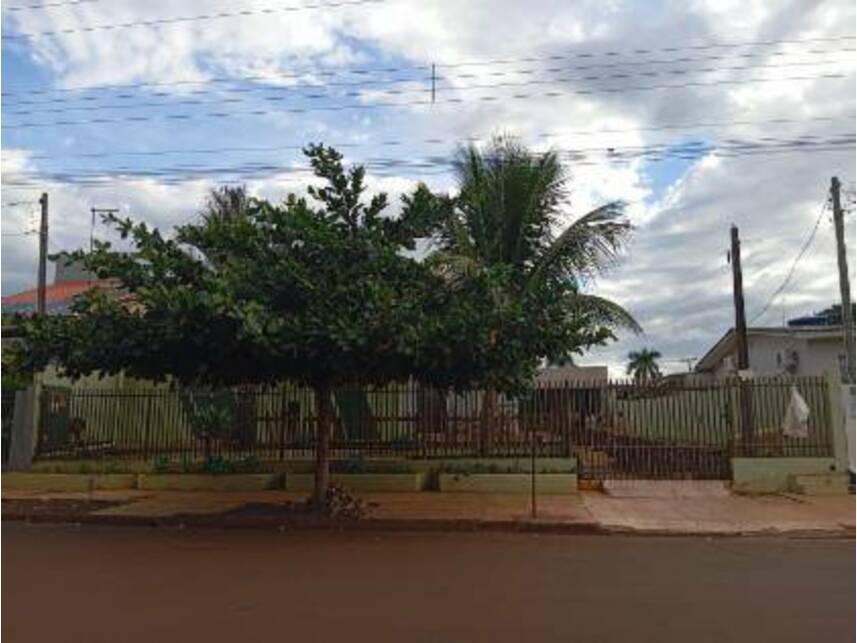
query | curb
(221,521)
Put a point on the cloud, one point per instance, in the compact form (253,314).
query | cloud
(674,278)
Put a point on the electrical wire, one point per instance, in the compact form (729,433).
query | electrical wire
(400,92)
(49,5)
(426,103)
(183,173)
(456,65)
(700,125)
(391,81)
(794,265)
(159,22)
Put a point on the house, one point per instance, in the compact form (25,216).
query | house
(812,349)
(558,375)
(70,280)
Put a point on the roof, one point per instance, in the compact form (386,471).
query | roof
(726,344)
(58,297)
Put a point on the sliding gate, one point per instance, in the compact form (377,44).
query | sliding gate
(680,430)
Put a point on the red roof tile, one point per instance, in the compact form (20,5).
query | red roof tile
(55,293)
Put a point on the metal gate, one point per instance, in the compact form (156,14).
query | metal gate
(684,431)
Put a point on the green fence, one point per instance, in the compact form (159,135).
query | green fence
(671,428)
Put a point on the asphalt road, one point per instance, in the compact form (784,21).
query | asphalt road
(63,583)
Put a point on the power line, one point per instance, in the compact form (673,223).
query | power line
(400,92)
(183,173)
(388,81)
(158,22)
(444,141)
(49,5)
(797,259)
(262,170)
(637,52)
(456,65)
(447,101)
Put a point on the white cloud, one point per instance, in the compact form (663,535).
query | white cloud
(675,278)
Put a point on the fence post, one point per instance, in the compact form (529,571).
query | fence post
(837,422)
(25,423)
(147,427)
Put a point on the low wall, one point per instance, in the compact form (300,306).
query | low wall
(68,482)
(551,483)
(771,475)
(202,482)
(371,482)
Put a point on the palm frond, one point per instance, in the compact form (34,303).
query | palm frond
(588,246)
(604,312)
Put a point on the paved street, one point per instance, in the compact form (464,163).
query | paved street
(133,584)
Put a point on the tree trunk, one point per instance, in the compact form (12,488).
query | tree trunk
(488,419)
(324,417)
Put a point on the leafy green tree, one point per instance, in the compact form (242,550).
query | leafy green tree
(318,290)
(315,290)
(643,365)
(509,216)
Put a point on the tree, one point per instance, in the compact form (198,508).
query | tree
(315,290)
(226,203)
(643,365)
(508,217)
(224,206)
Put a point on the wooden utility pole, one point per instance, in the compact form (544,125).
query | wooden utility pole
(738,299)
(844,283)
(95,213)
(43,256)
(744,401)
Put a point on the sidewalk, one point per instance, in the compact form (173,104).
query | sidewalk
(589,512)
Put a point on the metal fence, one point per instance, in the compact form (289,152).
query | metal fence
(615,429)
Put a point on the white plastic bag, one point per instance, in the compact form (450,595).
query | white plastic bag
(796,421)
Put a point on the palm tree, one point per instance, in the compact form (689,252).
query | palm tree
(226,203)
(509,212)
(227,206)
(643,365)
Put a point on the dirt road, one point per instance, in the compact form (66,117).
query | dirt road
(62,583)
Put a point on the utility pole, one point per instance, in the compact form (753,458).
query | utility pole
(433,82)
(741,341)
(689,361)
(43,256)
(738,299)
(95,212)
(844,284)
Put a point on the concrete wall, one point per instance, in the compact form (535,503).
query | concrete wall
(771,475)
(550,483)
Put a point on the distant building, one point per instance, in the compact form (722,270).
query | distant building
(829,317)
(812,349)
(71,279)
(571,373)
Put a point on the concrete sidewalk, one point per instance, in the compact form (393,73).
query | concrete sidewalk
(588,512)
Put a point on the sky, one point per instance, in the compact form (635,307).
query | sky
(697,114)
